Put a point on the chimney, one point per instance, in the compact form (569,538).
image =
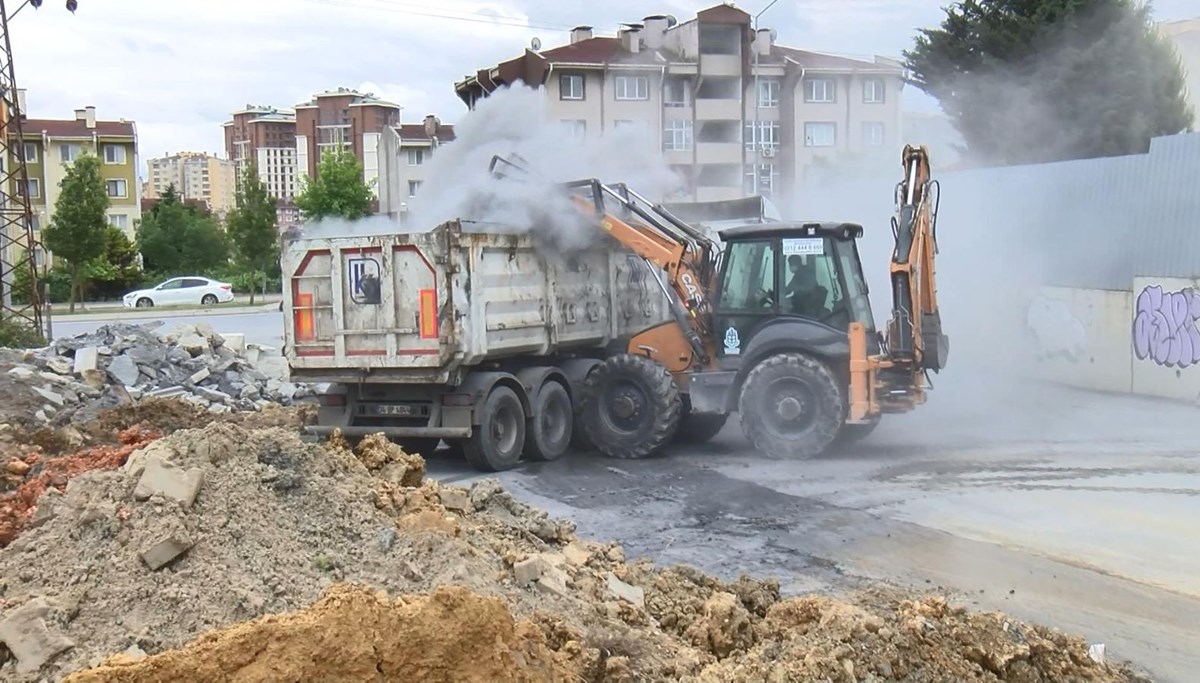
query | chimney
(631,38)
(580,33)
(21,103)
(90,116)
(432,123)
(654,35)
(763,42)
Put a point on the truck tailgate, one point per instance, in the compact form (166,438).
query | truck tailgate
(366,302)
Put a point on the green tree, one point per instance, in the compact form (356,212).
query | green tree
(337,190)
(176,239)
(251,227)
(1028,81)
(76,234)
(116,270)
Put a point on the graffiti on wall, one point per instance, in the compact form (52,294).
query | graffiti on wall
(1165,328)
(1056,331)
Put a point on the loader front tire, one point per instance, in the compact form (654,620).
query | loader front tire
(499,439)
(631,407)
(791,406)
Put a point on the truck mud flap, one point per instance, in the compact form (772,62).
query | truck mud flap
(397,432)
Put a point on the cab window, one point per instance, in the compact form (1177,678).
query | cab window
(809,271)
(749,277)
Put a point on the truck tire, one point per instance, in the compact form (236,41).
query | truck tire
(851,434)
(631,407)
(497,443)
(551,424)
(791,406)
(417,445)
(700,428)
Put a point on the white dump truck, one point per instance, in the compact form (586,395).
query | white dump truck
(480,338)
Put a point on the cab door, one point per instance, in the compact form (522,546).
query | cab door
(749,294)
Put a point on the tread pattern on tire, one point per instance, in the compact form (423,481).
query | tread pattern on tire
(825,427)
(664,398)
(475,448)
(533,449)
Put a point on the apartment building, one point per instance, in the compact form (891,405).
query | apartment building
(1185,35)
(266,136)
(50,146)
(734,112)
(195,175)
(347,119)
(405,151)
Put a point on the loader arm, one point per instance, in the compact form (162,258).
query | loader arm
(687,255)
(915,338)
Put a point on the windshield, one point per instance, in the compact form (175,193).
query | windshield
(856,285)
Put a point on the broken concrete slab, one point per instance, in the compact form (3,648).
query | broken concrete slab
(166,550)
(554,581)
(199,376)
(123,369)
(29,639)
(194,344)
(576,554)
(59,365)
(455,499)
(87,358)
(529,570)
(56,399)
(631,594)
(235,342)
(168,479)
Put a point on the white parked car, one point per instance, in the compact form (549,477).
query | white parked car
(181,291)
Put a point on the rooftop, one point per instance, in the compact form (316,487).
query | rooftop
(357,98)
(67,128)
(416,131)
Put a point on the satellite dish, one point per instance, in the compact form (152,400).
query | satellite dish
(671,20)
(535,44)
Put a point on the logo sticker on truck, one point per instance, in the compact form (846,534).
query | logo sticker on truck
(733,343)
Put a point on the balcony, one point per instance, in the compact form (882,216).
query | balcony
(727,109)
(718,153)
(720,65)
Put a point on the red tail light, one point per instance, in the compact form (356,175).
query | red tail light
(332,399)
(226,287)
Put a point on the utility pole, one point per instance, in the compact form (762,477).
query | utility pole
(754,131)
(17,240)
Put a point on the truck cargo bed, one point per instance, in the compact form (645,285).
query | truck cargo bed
(423,307)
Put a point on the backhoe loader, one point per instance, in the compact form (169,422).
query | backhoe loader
(773,323)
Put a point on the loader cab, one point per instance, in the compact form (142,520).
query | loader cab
(807,273)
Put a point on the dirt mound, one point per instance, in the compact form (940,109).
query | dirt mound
(209,527)
(361,635)
(169,415)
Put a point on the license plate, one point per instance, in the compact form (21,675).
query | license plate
(393,410)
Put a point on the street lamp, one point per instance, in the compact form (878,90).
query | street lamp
(754,132)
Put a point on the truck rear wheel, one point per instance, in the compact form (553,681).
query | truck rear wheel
(418,445)
(497,442)
(550,426)
(631,407)
(791,406)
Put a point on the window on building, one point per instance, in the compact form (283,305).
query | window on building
(822,134)
(34,189)
(35,223)
(119,220)
(114,154)
(820,90)
(570,87)
(872,134)
(576,128)
(413,186)
(718,131)
(768,92)
(873,90)
(31,153)
(767,137)
(677,136)
(117,188)
(765,175)
(719,175)
(416,157)
(720,88)
(720,39)
(632,87)
(678,92)
(68,153)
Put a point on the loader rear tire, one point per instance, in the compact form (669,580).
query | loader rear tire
(791,406)
(700,428)
(498,440)
(550,426)
(631,407)
(853,433)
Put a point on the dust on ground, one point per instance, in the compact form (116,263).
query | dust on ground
(226,552)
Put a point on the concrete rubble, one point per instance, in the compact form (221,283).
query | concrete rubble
(75,378)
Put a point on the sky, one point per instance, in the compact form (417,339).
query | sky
(179,67)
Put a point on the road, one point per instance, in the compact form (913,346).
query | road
(1073,509)
(260,326)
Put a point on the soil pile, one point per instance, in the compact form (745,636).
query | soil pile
(206,528)
(452,635)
